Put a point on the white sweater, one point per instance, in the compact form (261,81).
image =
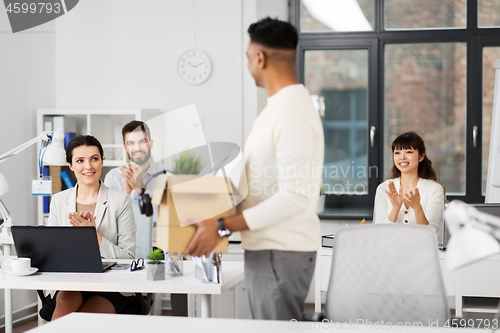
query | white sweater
(431,200)
(283,161)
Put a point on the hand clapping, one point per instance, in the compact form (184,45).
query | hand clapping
(412,199)
(82,219)
(132,176)
(395,197)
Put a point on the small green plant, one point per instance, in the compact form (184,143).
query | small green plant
(322,189)
(155,257)
(188,164)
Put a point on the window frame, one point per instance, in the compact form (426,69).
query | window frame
(375,41)
(371,46)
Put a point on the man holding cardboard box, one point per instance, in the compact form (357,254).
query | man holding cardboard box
(280,230)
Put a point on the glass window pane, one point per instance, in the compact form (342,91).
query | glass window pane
(490,54)
(487,13)
(425,14)
(344,15)
(425,92)
(338,83)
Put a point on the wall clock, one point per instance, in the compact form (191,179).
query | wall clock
(195,66)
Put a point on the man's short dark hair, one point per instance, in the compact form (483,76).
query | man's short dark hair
(136,126)
(274,34)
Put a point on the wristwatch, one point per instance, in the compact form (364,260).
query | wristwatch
(223,231)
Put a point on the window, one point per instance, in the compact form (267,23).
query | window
(345,15)
(490,54)
(421,65)
(488,13)
(338,79)
(424,14)
(424,92)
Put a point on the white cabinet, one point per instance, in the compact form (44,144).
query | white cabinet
(481,278)
(105,124)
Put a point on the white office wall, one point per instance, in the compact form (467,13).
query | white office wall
(117,53)
(27,82)
(255,99)
(274,9)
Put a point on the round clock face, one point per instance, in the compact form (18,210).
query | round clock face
(195,66)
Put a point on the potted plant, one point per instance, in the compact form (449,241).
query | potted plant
(188,164)
(321,201)
(155,267)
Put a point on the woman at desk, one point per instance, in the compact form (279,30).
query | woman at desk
(91,203)
(414,194)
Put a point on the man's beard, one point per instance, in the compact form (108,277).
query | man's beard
(140,161)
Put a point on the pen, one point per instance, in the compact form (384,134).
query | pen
(362,222)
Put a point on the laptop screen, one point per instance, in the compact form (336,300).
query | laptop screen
(59,249)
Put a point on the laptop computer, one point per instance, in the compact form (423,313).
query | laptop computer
(60,249)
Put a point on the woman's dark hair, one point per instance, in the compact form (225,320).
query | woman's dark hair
(413,140)
(82,140)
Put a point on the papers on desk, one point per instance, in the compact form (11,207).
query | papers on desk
(208,269)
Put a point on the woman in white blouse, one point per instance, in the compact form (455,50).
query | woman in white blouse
(414,194)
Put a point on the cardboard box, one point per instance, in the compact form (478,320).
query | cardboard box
(191,197)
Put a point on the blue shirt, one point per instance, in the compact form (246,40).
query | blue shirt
(114,180)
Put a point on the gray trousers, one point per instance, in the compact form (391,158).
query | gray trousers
(278,282)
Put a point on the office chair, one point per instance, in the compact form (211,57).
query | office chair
(386,272)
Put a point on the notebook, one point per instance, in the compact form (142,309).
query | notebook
(60,249)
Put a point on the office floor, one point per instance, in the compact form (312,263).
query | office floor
(23,326)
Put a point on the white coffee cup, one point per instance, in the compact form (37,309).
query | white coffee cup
(20,264)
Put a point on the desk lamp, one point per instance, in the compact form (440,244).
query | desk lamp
(474,236)
(51,153)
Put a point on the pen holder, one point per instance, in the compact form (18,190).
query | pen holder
(174,264)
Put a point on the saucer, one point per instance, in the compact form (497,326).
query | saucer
(9,271)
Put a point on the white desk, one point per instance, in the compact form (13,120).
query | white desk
(91,322)
(7,241)
(126,281)
(477,280)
